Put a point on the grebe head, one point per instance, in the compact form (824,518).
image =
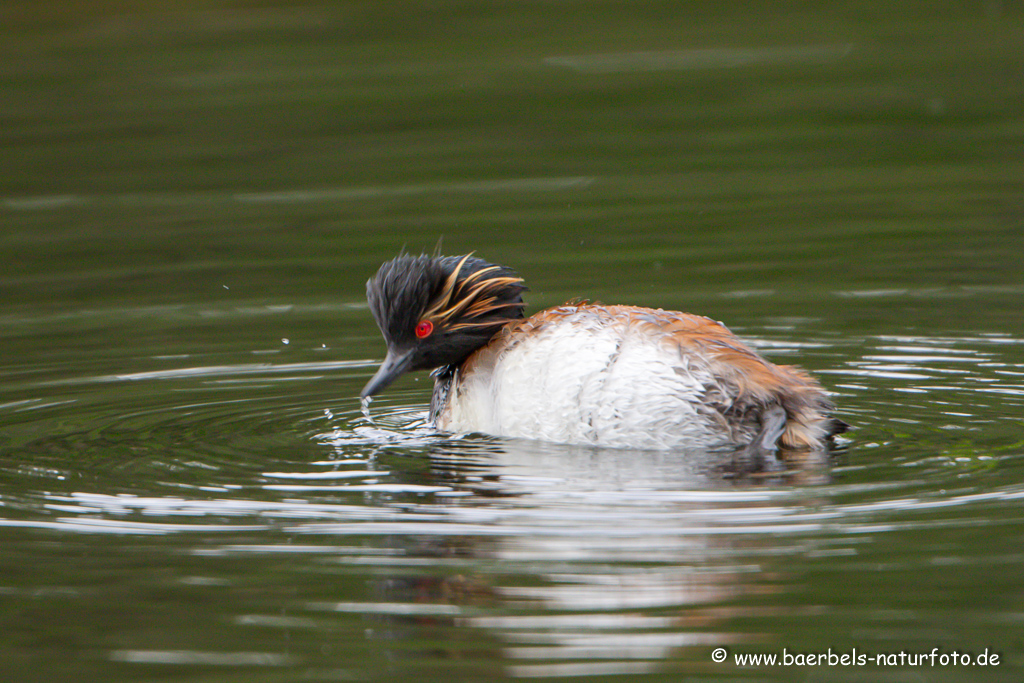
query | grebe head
(435,311)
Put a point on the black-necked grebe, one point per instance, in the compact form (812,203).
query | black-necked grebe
(618,376)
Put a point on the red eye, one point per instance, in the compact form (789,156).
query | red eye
(424,329)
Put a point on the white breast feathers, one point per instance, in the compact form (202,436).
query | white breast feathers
(604,376)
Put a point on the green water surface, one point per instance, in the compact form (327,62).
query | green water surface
(193,195)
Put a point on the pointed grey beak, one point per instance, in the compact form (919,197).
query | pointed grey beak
(395,363)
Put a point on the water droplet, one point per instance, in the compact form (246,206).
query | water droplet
(285,341)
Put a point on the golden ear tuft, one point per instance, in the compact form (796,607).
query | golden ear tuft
(475,295)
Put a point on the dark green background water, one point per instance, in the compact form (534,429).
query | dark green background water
(193,194)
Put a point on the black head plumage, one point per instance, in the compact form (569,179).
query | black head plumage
(435,311)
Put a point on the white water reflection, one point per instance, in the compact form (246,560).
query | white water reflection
(202,658)
(601,562)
